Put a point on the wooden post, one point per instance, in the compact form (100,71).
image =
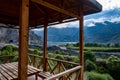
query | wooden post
(81,41)
(45,48)
(23,39)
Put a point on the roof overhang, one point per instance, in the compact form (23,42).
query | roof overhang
(52,11)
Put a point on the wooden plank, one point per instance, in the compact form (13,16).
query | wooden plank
(15,67)
(8,70)
(4,72)
(2,76)
(12,69)
(23,39)
(51,6)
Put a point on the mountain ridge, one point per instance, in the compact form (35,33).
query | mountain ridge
(8,35)
(105,29)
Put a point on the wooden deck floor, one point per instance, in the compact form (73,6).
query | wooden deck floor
(33,78)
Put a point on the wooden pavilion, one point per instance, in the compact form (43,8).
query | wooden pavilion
(30,14)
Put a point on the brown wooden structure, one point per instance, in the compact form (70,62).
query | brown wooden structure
(30,14)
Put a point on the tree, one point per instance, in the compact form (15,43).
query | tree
(113,65)
(89,65)
(97,76)
(36,51)
(90,56)
(60,57)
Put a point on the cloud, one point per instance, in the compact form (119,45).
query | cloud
(87,22)
(109,4)
(69,24)
(115,19)
(92,22)
(38,29)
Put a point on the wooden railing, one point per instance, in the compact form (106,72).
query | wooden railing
(67,72)
(61,70)
(8,58)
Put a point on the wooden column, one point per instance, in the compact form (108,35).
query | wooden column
(81,42)
(23,39)
(45,48)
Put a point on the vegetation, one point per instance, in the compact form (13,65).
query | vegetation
(96,47)
(113,66)
(106,69)
(88,55)
(8,50)
(90,66)
(97,76)
(36,52)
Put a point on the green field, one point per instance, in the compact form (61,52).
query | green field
(101,49)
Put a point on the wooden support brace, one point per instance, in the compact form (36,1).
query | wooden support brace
(51,6)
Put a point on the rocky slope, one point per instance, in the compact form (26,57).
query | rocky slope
(8,35)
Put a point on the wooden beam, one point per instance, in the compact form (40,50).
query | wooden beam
(81,42)
(23,39)
(45,48)
(51,6)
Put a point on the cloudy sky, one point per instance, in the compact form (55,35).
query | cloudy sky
(107,5)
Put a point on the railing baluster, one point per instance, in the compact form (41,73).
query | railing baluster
(65,70)
(50,67)
(59,62)
(54,68)
(34,61)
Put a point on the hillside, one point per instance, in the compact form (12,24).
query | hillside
(12,36)
(101,33)
(103,27)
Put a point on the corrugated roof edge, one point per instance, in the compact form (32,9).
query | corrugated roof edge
(98,5)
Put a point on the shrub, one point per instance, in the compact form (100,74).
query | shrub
(7,50)
(36,51)
(97,76)
(60,57)
(75,59)
(90,56)
(113,66)
(51,55)
(89,65)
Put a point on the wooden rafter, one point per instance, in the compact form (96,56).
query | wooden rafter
(41,9)
(51,6)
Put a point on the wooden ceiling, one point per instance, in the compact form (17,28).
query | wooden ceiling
(39,14)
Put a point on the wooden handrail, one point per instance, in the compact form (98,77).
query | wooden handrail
(35,55)
(56,60)
(64,73)
(47,59)
(7,56)
(64,61)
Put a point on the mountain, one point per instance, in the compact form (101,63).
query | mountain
(103,27)
(12,36)
(103,33)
